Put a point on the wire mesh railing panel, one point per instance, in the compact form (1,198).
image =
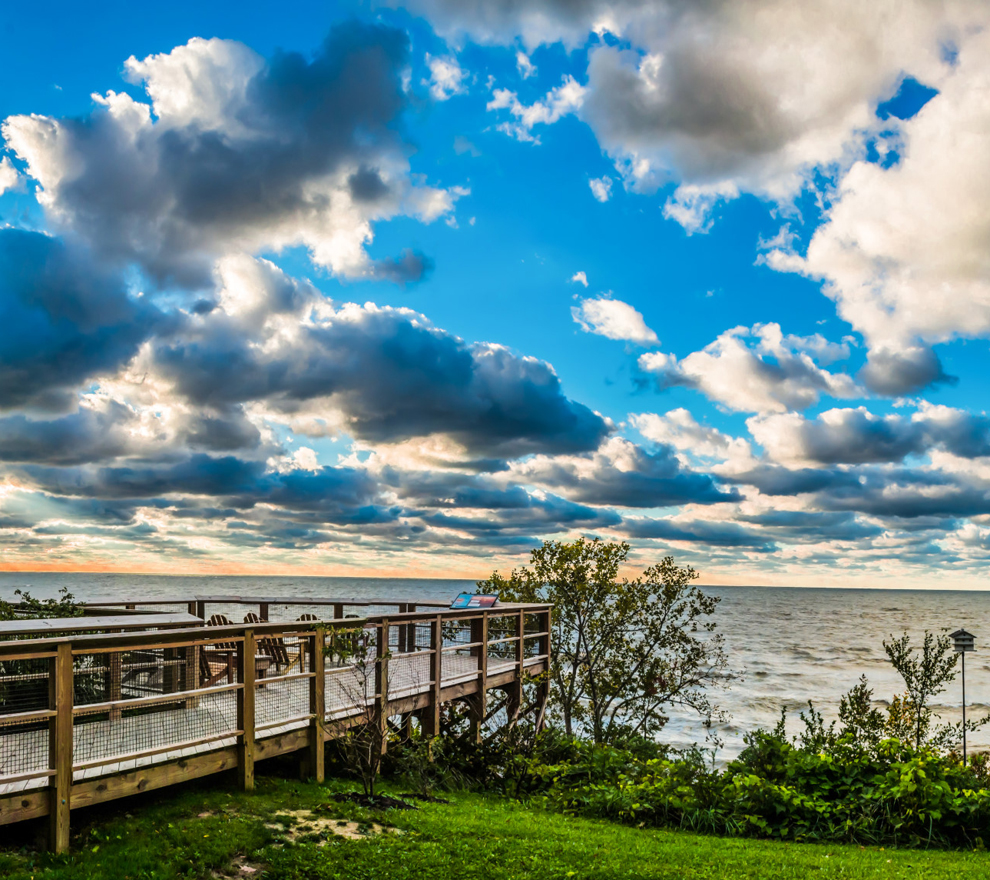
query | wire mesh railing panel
(458,666)
(501,657)
(23,750)
(132,674)
(535,625)
(408,674)
(281,702)
(24,692)
(23,685)
(123,734)
(456,634)
(349,690)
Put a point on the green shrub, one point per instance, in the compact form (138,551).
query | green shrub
(884,793)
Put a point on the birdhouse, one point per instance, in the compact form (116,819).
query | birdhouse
(963,641)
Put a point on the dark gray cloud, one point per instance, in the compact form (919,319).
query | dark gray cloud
(857,436)
(641,479)
(392,375)
(65,321)
(84,436)
(409,268)
(779,480)
(719,534)
(240,155)
(904,371)
(333,494)
(908,494)
(791,526)
(110,430)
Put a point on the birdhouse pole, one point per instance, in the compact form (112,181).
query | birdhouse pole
(964,642)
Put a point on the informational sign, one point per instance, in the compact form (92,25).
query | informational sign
(474,600)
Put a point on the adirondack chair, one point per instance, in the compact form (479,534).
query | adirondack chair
(225,653)
(274,647)
(210,675)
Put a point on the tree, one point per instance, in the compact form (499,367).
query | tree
(909,719)
(622,652)
(926,672)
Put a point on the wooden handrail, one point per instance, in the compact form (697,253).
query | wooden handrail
(93,643)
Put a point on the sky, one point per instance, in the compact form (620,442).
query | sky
(406,288)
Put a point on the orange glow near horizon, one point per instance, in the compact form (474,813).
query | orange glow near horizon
(409,569)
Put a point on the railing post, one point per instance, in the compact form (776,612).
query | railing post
(201,609)
(338,610)
(515,690)
(543,691)
(60,747)
(245,711)
(479,705)
(431,720)
(402,646)
(263,610)
(317,703)
(381,687)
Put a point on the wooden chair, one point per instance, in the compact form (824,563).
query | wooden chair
(207,675)
(274,647)
(226,653)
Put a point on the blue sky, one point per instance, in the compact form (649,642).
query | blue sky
(627,269)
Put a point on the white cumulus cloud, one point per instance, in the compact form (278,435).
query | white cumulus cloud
(446,77)
(601,188)
(230,156)
(730,96)
(557,103)
(905,250)
(757,369)
(9,178)
(613,319)
(524,65)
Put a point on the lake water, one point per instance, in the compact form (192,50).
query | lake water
(787,645)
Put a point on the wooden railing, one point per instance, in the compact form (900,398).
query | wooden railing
(86,718)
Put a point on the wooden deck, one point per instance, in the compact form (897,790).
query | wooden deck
(146,717)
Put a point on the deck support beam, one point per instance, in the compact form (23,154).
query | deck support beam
(479,701)
(543,688)
(317,704)
(60,685)
(381,687)
(246,650)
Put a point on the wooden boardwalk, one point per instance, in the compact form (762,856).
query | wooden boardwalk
(130,710)
(100,748)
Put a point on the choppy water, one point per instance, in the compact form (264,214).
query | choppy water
(789,645)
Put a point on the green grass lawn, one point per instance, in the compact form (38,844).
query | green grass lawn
(210,830)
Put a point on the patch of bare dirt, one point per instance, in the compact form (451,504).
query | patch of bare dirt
(303,826)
